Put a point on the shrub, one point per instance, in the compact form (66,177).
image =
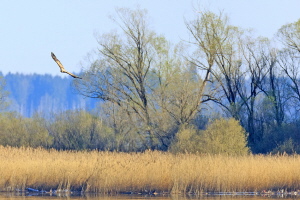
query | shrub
(78,130)
(18,131)
(186,141)
(223,136)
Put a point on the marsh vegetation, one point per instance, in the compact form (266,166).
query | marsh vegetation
(116,172)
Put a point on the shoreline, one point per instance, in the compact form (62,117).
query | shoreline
(33,192)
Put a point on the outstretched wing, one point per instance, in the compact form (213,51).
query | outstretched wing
(62,69)
(73,75)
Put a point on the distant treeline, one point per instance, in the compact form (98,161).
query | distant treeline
(31,93)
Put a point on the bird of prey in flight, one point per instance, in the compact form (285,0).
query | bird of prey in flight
(62,69)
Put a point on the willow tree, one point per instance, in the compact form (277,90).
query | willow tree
(289,62)
(219,42)
(178,93)
(289,35)
(205,31)
(120,73)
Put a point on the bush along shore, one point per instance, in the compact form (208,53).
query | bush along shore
(152,172)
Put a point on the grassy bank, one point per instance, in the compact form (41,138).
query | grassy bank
(163,172)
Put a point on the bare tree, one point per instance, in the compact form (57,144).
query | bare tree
(253,51)
(289,57)
(289,63)
(274,86)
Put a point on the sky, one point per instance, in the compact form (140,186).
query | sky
(30,30)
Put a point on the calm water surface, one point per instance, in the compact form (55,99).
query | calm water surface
(9,196)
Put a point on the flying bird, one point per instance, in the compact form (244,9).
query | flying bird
(62,69)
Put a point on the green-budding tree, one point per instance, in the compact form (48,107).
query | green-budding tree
(147,79)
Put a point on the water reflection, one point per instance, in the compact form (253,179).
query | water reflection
(37,196)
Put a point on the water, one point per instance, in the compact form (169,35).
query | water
(32,196)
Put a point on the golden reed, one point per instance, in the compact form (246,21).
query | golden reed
(112,172)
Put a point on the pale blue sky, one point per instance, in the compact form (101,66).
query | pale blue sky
(31,29)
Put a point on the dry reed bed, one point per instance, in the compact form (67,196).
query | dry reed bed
(152,171)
